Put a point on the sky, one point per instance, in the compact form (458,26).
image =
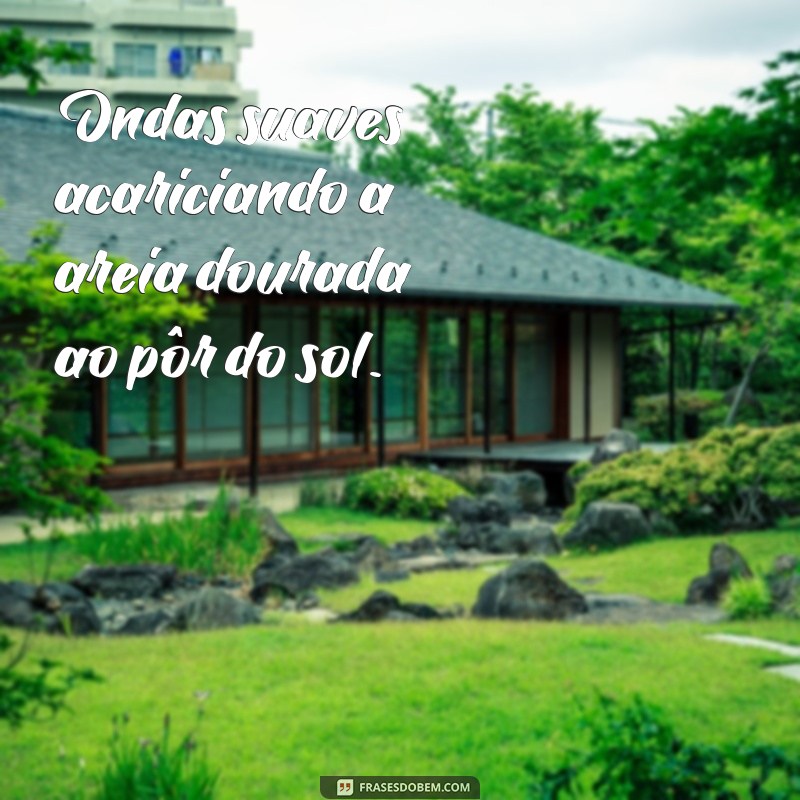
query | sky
(631,59)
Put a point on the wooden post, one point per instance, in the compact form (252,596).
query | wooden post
(487,377)
(254,386)
(671,378)
(381,394)
(587,375)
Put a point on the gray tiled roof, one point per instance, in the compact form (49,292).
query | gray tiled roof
(455,253)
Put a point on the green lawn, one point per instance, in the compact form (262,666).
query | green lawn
(291,700)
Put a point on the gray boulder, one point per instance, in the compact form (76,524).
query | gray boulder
(472,510)
(724,564)
(326,569)
(528,590)
(126,582)
(281,544)
(519,538)
(523,491)
(147,623)
(212,609)
(383,605)
(784,584)
(51,608)
(615,444)
(603,525)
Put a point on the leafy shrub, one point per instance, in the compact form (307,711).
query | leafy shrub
(703,409)
(225,540)
(25,693)
(401,491)
(748,598)
(318,494)
(634,753)
(732,478)
(146,770)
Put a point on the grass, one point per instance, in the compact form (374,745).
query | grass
(289,703)
(212,543)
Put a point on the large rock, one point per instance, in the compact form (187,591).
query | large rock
(368,554)
(126,582)
(326,569)
(421,546)
(281,544)
(528,590)
(724,564)
(615,444)
(51,608)
(519,538)
(784,584)
(605,524)
(383,605)
(212,609)
(473,510)
(524,491)
(147,623)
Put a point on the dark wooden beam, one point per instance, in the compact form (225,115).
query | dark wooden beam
(487,377)
(671,378)
(254,386)
(587,376)
(381,387)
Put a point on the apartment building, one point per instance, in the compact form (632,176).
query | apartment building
(143,51)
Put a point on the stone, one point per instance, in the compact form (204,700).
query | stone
(368,554)
(212,609)
(616,443)
(603,524)
(528,590)
(784,584)
(519,538)
(420,546)
(51,608)
(526,490)
(474,510)
(326,569)
(125,582)
(383,605)
(724,564)
(281,544)
(391,575)
(147,623)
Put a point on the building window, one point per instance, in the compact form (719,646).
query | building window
(497,373)
(343,408)
(400,379)
(141,422)
(285,402)
(215,406)
(534,357)
(135,60)
(67,68)
(447,375)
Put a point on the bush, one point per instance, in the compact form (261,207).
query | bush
(401,491)
(634,753)
(696,412)
(224,540)
(748,598)
(731,478)
(146,770)
(318,494)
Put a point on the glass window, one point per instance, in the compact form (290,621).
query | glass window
(535,365)
(497,373)
(141,422)
(400,379)
(447,375)
(70,414)
(79,68)
(342,400)
(135,60)
(285,402)
(215,406)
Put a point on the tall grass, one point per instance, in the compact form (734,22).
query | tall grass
(225,540)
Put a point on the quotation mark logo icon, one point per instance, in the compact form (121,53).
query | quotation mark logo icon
(344,787)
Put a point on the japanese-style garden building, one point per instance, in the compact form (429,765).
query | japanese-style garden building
(500,335)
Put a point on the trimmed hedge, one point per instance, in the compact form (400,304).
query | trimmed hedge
(737,477)
(401,492)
